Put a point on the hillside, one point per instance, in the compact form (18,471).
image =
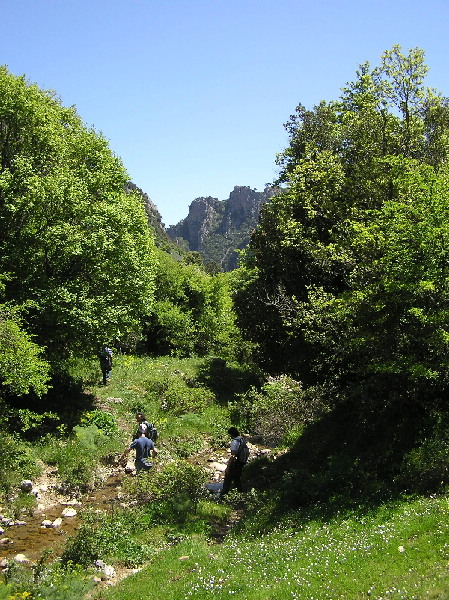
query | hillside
(216,228)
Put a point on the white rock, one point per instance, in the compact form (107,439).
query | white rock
(69,512)
(216,466)
(5,541)
(21,559)
(46,523)
(108,572)
(100,564)
(20,523)
(57,522)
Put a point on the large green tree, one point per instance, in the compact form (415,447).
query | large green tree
(75,248)
(346,270)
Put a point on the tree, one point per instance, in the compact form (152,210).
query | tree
(193,312)
(77,249)
(22,369)
(342,270)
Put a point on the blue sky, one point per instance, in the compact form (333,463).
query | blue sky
(192,94)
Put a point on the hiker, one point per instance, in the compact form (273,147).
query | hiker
(143,447)
(236,462)
(151,431)
(105,356)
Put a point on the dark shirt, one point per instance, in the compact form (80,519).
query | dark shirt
(143,445)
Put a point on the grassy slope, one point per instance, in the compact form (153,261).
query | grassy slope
(397,550)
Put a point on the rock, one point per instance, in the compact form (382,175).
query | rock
(108,572)
(46,523)
(69,512)
(5,541)
(6,521)
(100,564)
(20,523)
(2,531)
(26,485)
(57,522)
(3,563)
(21,559)
(216,466)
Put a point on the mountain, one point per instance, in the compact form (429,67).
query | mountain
(216,228)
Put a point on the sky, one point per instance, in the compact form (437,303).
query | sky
(192,95)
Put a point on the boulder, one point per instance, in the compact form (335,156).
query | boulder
(21,559)
(26,485)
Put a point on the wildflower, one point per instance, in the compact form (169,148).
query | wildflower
(401,549)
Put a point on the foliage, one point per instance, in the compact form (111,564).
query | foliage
(75,246)
(228,378)
(102,419)
(77,458)
(17,462)
(347,268)
(193,312)
(174,488)
(53,581)
(278,409)
(22,369)
(176,397)
(117,537)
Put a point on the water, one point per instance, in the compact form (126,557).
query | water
(33,540)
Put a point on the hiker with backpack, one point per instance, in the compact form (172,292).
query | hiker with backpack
(143,446)
(150,430)
(237,460)
(105,356)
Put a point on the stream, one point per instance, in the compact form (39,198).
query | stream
(29,537)
(32,539)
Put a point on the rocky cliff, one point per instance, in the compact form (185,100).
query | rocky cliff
(216,228)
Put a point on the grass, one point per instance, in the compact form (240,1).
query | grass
(397,551)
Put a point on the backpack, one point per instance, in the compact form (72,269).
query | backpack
(243,451)
(149,430)
(105,356)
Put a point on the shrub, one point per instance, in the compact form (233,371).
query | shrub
(278,410)
(102,419)
(426,467)
(113,537)
(175,489)
(16,463)
(173,395)
(77,458)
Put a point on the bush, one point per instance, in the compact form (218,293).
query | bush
(173,395)
(278,410)
(77,458)
(102,419)
(174,488)
(16,463)
(113,537)
(426,467)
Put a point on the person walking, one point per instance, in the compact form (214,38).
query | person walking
(237,460)
(143,446)
(105,356)
(151,431)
